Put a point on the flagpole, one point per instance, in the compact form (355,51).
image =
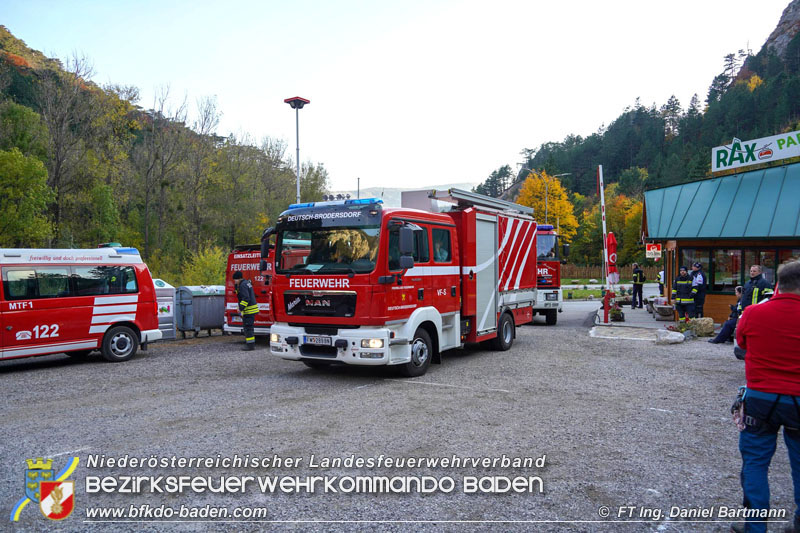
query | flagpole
(603,216)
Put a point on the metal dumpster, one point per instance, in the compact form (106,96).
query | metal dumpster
(200,307)
(165,294)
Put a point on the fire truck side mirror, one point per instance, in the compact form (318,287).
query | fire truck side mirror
(265,245)
(406,262)
(565,249)
(406,241)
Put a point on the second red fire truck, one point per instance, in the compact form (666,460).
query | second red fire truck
(357,283)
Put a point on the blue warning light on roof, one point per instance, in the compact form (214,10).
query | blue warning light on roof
(545,227)
(127,251)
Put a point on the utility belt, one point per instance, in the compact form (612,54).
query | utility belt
(775,399)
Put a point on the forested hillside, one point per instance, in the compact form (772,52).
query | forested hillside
(82,164)
(648,146)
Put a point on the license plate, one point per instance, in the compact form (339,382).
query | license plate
(236,320)
(324,341)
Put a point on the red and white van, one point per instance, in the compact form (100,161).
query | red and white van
(246,259)
(75,301)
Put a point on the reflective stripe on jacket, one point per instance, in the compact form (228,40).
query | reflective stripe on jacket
(247,298)
(754,291)
(682,290)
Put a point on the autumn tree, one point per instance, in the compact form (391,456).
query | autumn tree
(24,196)
(550,202)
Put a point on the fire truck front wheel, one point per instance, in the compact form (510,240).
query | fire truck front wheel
(421,353)
(551,317)
(119,344)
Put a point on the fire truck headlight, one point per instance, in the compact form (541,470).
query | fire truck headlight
(552,297)
(372,343)
(274,337)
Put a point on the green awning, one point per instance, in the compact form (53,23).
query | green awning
(758,204)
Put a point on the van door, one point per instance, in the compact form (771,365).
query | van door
(39,317)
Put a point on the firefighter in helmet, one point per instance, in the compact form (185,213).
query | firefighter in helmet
(682,295)
(248,308)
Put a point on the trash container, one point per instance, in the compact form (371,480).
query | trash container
(165,294)
(200,307)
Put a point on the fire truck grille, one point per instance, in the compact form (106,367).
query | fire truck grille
(312,350)
(329,304)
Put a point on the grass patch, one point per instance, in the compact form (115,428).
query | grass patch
(581,294)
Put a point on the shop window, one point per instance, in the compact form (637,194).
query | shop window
(727,270)
(765,258)
(693,255)
(786,256)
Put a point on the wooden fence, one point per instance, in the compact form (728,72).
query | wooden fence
(570,272)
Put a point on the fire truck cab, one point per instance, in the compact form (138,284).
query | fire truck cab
(549,298)
(246,259)
(75,301)
(398,286)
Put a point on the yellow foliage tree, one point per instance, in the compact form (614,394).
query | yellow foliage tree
(550,203)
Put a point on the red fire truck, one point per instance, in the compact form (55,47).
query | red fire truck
(246,258)
(76,301)
(398,286)
(549,298)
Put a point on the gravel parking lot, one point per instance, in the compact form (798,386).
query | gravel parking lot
(621,423)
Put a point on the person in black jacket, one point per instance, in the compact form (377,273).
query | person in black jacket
(682,295)
(638,285)
(248,308)
(756,289)
(726,333)
(698,288)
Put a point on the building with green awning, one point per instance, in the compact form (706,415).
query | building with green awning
(727,224)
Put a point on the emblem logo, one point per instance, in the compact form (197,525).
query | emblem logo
(23,335)
(57,500)
(53,491)
(38,471)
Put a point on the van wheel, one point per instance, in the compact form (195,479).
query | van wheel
(505,333)
(421,353)
(551,317)
(80,354)
(119,344)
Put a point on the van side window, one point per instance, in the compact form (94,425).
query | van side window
(53,281)
(99,280)
(41,282)
(19,284)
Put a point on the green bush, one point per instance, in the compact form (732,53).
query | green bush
(206,267)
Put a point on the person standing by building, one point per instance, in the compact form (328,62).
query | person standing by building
(248,308)
(771,337)
(682,295)
(661,283)
(638,285)
(726,333)
(698,288)
(756,289)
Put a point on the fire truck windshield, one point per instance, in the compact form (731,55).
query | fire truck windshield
(547,247)
(327,250)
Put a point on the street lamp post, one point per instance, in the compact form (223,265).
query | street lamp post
(297,104)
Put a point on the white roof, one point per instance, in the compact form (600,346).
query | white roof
(44,256)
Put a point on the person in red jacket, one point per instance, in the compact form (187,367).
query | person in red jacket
(770,334)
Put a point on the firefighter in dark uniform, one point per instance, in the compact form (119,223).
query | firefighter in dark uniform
(638,285)
(756,289)
(698,288)
(682,295)
(248,308)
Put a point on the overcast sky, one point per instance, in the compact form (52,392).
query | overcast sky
(409,93)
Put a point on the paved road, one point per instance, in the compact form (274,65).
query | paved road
(620,423)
